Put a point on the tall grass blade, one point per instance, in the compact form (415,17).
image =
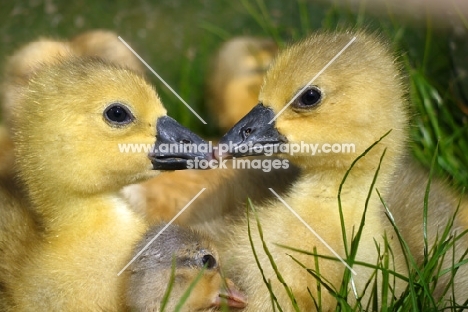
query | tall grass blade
(273,264)
(252,245)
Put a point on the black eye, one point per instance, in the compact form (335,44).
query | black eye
(118,114)
(309,98)
(209,261)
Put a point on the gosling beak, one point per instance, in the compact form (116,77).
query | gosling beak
(230,296)
(251,135)
(176,146)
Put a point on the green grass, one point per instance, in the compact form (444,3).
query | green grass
(421,282)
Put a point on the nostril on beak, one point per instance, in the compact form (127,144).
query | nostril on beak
(246,132)
(185,141)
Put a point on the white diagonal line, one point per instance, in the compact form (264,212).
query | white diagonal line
(313,79)
(312,230)
(162,80)
(162,230)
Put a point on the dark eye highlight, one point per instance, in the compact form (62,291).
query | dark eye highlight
(209,261)
(118,114)
(309,98)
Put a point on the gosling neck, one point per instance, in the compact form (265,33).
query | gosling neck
(327,175)
(62,211)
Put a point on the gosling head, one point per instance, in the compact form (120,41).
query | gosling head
(357,99)
(85,126)
(190,257)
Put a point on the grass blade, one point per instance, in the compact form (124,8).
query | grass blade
(273,264)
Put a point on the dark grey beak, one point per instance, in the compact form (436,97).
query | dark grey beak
(252,134)
(176,146)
